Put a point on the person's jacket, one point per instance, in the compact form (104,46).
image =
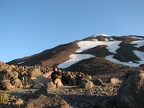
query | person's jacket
(56,75)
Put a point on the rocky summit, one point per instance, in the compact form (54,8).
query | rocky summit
(99,71)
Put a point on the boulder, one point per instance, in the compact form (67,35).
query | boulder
(34,72)
(88,77)
(115,81)
(8,75)
(131,91)
(6,85)
(2,63)
(85,83)
(17,83)
(19,102)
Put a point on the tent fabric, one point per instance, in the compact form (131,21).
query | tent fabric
(42,79)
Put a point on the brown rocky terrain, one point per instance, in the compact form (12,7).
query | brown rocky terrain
(94,91)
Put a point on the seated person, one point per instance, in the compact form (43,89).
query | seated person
(56,76)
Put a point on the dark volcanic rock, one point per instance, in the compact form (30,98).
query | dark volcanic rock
(131,92)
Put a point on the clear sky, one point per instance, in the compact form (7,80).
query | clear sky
(28,27)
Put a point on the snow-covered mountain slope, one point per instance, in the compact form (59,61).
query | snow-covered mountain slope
(125,50)
(112,46)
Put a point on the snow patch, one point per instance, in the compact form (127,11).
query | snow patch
(74,58)
(21,62)
(140,54)
(106,39)
(131,64)
(111,39)
(85,45)
(101,35)
(141,38)
(113,46)
(139,43)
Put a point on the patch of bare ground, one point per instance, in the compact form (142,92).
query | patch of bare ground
(141,48)
(99,51)
(125,52)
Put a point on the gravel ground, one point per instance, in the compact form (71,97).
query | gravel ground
(87,98)
(75,96)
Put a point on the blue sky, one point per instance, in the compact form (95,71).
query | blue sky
(28,27)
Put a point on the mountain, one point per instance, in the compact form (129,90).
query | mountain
(94,53)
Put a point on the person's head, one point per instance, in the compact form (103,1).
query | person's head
(55,68)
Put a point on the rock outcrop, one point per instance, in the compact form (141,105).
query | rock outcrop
(131,92)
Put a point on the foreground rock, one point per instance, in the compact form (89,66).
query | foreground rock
(131,92)
(47,102)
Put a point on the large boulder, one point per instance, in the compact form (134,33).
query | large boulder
(34,72)
(16,83)
(6,80)
(131,91)
(6,85)
(85,83)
